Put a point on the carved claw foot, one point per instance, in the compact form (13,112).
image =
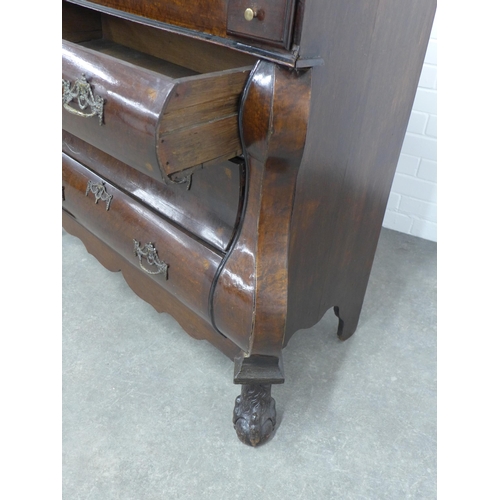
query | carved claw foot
(254,415)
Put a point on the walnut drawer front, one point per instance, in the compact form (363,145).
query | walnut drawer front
(208,16)
(208,209)
(159,121)
(180,264)
(269,21)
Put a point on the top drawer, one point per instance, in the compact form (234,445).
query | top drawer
(147,97)
(267,21)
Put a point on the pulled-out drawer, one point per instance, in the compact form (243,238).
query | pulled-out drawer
(180,264)
(160,115)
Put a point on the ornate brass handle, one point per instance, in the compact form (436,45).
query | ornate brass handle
(149,252)
(81,91)
(99,191)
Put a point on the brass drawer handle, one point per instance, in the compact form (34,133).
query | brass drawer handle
(81,91)
(254,13)
(250,14)
(149,252)
(99,191)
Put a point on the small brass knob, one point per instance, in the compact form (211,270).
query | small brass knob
(250,14)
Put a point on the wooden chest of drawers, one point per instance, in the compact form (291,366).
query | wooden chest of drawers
(234,160)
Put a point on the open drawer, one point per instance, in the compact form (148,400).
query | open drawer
(146,96)
(269,22)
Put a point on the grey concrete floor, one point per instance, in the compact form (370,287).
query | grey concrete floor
(147,409)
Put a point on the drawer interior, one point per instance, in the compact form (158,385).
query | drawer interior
(200,85)
(124,53)
(271,28)
(167,53)
(195,133)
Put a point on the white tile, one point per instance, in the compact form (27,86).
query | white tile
(428,77)
(426,101)
(422,209)
(414,188)
(417,122)
(420,146)
(432,126)
(408,164)
(431,54)
(424,229)
(398,222)
(393,202)
(434,28)
(427,170)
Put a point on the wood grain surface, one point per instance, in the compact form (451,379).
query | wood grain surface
(191,265)
(361,102)
(208,209)
(149,290)
(251,294)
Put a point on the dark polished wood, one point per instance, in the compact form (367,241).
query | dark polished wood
(254,415)
(254,282)
(191,265)
(187,52)
(127,131)
(361,102)
(272,21)
(148,290)
(154,110)
(216,38)
(258,369)
(205,205)
(208,16)
(80,25)
(241,189)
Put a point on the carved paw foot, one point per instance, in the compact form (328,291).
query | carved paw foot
(254,415)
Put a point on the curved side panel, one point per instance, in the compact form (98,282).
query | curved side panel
(250,299)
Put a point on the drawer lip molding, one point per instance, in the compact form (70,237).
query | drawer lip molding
(278,55)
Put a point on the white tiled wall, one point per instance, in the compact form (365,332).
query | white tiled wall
(412,205)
